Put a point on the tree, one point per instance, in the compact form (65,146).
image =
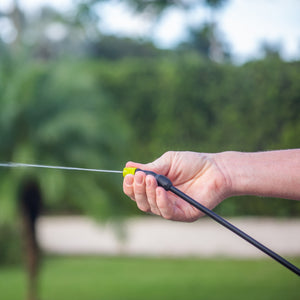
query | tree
(205,38)
(114,48)
(160,5)
(206,41)
(207,35)
(55,114)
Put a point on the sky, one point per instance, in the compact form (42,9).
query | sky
(244,25)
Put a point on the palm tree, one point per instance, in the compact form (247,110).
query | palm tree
(54,113)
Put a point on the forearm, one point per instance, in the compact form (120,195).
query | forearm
(271,173)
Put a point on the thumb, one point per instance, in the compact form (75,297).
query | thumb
(160,166)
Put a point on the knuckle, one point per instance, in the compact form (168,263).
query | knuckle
(140,193)
(140,190)
(169,154)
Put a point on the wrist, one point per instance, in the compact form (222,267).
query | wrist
(231,165)
(222,162)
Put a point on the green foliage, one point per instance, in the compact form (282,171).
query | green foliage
(101,113)
(114,48)
(54,113)
(189,100)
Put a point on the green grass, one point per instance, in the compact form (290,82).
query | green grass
(112,278)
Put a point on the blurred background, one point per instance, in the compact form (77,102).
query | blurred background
(95,83)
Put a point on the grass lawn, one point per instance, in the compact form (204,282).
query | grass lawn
(112,278)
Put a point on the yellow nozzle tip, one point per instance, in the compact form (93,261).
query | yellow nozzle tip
(127,171)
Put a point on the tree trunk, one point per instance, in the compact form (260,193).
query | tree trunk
(30,204)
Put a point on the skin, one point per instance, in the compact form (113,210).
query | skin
(210,178)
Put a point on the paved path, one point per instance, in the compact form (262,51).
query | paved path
(153,236)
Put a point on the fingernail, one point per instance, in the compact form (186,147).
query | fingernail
(139,179)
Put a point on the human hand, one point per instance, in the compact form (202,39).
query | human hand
(196,174)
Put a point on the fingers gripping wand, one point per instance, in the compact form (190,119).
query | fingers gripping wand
(165,182)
